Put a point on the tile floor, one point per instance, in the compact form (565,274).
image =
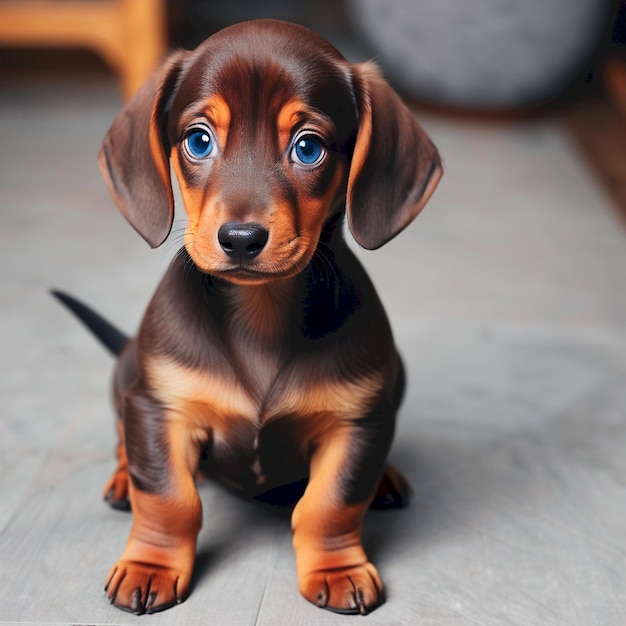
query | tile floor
(508,299)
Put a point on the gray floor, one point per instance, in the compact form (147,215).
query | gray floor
(508,298)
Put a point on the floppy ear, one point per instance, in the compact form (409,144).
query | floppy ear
(395,167)
(134,157)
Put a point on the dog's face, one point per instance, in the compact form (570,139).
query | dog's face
(270,132)
(260,134)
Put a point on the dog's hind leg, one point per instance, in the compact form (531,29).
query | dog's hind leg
(116,490)
(393,490)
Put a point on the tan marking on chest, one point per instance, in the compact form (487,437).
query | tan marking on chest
(329,399)
(207,399)
(210,399)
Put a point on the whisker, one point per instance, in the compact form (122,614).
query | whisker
(176,237)
(321,263)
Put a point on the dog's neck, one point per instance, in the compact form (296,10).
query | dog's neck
(261,313)
(258,313)
(256,330)
(259,319)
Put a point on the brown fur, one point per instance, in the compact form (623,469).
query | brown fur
(274,363)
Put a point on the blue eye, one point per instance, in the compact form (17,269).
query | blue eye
(199,143)
(308,150)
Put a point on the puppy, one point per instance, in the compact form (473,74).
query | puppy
(264,357)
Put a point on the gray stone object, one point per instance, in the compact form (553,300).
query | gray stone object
(481,53)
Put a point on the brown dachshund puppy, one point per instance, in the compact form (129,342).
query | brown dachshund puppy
(265,356)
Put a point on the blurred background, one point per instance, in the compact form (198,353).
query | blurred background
(507,297)
(484,58)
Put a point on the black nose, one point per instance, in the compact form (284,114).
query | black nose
(242,241)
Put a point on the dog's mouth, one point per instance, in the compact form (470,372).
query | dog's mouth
(249,276)
(263,269)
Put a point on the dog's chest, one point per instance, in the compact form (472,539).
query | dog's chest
(258,440)
(262,394)
(261,444)
(307,389)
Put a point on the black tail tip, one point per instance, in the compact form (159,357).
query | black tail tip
(61,296)
(110,337)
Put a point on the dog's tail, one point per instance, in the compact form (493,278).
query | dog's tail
(109,336)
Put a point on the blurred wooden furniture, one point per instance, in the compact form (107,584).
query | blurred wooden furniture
(615,80)
(129,34)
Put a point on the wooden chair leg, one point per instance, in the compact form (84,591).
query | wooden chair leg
(129,34)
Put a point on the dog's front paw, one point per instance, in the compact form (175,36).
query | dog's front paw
(349,590)
(145,588)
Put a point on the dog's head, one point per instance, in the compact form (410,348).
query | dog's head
(270,132)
